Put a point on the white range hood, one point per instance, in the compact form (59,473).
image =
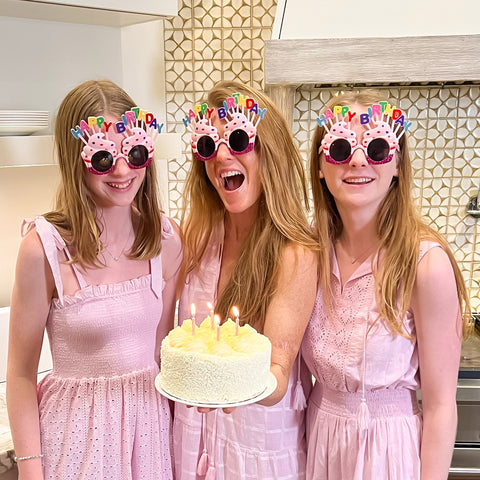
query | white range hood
(373,41)
(301,19)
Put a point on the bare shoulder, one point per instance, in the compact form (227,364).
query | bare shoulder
(31,248)
(34,284)
(298,257)
(434,267)
(435,291)
(297,270)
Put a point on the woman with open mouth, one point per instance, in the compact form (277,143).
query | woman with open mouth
(247,243)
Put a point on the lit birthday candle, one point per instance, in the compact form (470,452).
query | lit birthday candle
(217,323)
(211,313)
(237,320)
(193,310)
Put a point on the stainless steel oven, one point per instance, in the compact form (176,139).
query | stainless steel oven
(466,455)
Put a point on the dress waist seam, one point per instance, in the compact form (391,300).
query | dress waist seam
(381,403)
(57,376)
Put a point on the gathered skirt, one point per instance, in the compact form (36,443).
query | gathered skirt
(109,428)
(348,440)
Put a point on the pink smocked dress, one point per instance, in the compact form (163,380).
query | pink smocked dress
(363,419)
(252,443)
(100,414)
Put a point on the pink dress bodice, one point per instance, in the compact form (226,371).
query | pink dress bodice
(252,443)
(363,416)
(100,414)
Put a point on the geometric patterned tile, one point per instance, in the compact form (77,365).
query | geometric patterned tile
(213,40)
(445,147)
(209,41)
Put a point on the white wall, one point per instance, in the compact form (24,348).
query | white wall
(375,18)
(41,61)
(143,65)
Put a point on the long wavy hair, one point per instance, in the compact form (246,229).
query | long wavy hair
(399,228)
(281,217)
(75,211)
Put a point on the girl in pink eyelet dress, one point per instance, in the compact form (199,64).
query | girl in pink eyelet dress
(391,322)
(97,414)
(248,246)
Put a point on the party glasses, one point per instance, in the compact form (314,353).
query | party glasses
(239,132)
(340,143)
(205,146)
(340,151)
(100,154)
(139,129)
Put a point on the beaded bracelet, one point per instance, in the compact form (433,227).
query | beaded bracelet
(19,459)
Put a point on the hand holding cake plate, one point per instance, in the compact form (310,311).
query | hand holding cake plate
(269,389)
(215,366)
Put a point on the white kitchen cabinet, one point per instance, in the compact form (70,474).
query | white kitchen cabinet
(24,151)
(115,13)
(34,150)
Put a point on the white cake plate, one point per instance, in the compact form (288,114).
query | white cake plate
(270,388)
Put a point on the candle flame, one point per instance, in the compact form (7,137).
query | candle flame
(217,323)
(209,306)
(193,309)
(235,311)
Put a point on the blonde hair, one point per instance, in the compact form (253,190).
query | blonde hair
(280,220)
(75,210)
(399,228)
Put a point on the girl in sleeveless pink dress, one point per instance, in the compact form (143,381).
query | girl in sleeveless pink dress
(391,321)
(235,225)
(97,414)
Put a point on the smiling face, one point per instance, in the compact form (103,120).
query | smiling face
(357,183)
(236,177)
(120,186)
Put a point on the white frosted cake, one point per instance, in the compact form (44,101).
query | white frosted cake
(210,368)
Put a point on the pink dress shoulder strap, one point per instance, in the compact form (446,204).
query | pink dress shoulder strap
(425,246)
(52,242)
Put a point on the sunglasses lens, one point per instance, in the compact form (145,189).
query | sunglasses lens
(102,161)
(138,156)
(378,149)
(205,146)
(340,150)
(238,140)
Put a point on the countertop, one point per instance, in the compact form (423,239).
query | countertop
(6,444)
(470,358)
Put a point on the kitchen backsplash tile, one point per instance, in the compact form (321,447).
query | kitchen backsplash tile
(444,141)
(222,40)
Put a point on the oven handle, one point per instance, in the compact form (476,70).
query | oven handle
(464,471)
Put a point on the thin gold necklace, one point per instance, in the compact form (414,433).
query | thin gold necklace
(117,258)
(357,258)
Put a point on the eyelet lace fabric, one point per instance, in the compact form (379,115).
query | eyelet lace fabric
(363,420)
(340,338)
(100,414)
